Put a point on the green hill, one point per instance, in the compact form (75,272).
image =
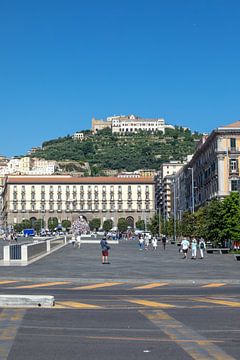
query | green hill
(104,150)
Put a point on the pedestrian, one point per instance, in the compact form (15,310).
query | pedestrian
(185,245)
(146,241)
(202,247)
(140,242)
(154,243)
(105,248)
(194,248)
(79,241)
(73,240)
(164,241)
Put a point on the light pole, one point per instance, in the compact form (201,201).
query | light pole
(193,200)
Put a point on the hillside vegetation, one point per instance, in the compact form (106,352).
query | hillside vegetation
(104,150)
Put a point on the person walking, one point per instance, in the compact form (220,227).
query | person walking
(154,243)
(194,248)
(185,246)
(164,241)
(141,242)
(202,247)
(105,248)
(79,241)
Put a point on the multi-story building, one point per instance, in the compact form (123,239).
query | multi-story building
(78,136)
(164,181)
(66,197)
(130,124)
(213,171)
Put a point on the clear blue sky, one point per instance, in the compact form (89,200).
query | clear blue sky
(64,61)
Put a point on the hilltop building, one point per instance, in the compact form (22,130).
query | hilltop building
(130,124)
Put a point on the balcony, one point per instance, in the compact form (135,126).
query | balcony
(234,172)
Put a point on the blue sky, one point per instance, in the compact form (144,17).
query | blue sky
(64,61)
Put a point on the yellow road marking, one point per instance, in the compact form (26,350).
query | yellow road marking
(150,303)
(8,282)
(151,339)
(42,285)
(191,342)
(74,305)
(149,286)
(218,302)
(96,286)
(213,285)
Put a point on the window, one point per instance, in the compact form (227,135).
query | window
(233,165)
(233,143)
(235,185)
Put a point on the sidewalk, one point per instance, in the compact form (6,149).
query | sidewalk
(128,264)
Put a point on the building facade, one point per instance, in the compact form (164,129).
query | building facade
(213,171)
(66,197)
(130,124)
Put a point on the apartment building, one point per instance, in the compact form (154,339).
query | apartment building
(213,171)
(164,181)
(130,124)
(66,197)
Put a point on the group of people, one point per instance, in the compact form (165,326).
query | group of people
(193,244)
(145,240)
(76,240)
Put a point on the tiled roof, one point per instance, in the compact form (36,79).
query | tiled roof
(235,125)
(77,180)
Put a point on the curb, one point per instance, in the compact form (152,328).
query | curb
(45,301)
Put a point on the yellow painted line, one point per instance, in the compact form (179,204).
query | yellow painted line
(149,286)
(151,339)
(96,286)
(218,302)
(150,303)
(194,344)
(74,305)
(213,285)
(42,285)
(8,282)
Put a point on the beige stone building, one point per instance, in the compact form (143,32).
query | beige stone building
(213,171)
(66,197)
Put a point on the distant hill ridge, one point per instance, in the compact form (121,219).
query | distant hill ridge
(106,151)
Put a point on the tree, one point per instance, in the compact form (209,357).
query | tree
(107,225)
(52,223)
(122,224)
(231,218)
(18,227)
(38,224)
(140,225)
(66,224)
(95,224)
(26,224)
(153,226)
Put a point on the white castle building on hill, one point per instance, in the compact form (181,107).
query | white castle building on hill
(122,124)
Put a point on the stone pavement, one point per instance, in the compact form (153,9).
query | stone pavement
(128,263)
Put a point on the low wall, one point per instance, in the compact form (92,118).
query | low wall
(22,254)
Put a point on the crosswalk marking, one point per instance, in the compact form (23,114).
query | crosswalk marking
(74,305)
(96,286)
(151,303)
(149,286)
(214,285)
(42,285)
(218,302)
(2,282)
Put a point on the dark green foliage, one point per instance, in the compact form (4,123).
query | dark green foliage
(52,223)
(140,225)
(105,150)
(95,224)
(107,225)
(66,224)
(122,224)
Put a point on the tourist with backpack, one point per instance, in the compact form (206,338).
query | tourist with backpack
(202,247)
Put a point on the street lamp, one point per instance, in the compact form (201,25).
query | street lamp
(193,200)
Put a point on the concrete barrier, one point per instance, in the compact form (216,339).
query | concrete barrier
(44,301)
(24,254)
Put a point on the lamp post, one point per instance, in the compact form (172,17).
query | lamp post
(193,200)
